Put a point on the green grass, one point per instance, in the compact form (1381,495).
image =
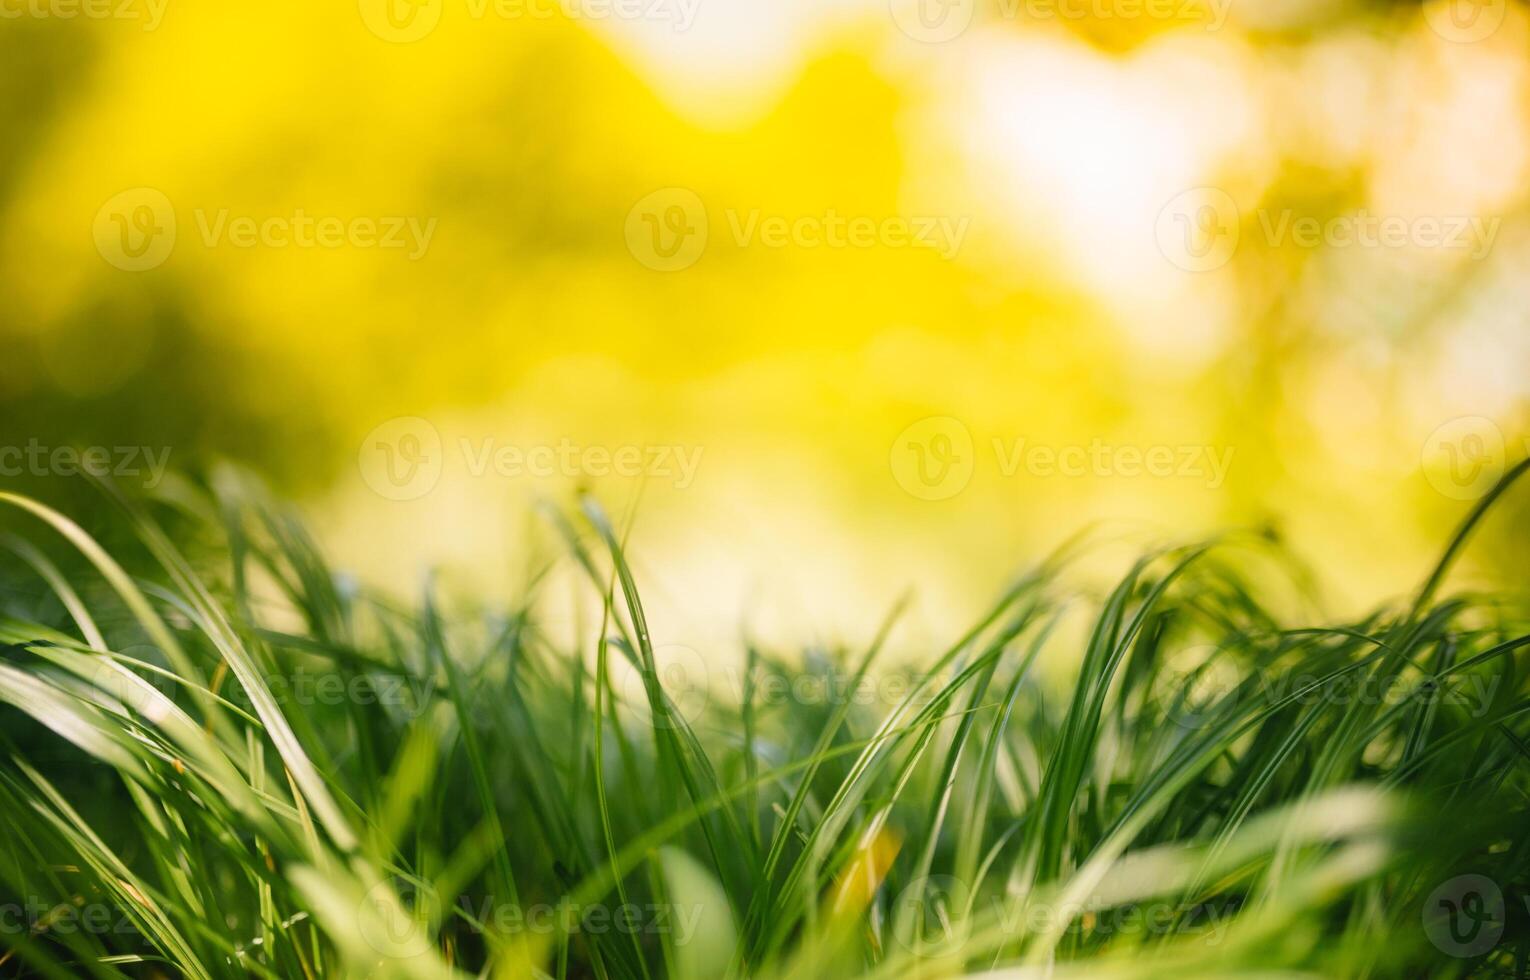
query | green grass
(239,764)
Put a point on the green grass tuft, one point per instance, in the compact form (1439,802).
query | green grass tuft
(204,778)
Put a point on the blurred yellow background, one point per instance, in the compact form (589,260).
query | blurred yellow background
(863,295)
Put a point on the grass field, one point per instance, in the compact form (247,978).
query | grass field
(233,762)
